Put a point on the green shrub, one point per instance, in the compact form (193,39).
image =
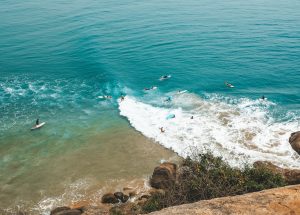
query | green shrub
(207,177)
(154,203)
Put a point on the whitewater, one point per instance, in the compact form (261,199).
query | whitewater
(241,131)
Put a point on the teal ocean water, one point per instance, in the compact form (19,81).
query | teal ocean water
(58,59)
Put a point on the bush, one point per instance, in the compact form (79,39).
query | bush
(207,177)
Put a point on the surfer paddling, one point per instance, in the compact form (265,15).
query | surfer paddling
(164,77)
(151,88)
(228,85)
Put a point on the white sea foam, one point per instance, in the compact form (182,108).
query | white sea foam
(239,130)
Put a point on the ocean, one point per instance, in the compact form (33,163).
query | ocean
(59,60)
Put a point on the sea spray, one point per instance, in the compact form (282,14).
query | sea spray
(241,131)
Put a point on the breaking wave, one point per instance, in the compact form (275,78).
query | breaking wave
(240,130)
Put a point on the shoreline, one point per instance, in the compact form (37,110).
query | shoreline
(104,161)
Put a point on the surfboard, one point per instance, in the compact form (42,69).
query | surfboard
(181,92)
(164,78)
(38,126)
(170,116)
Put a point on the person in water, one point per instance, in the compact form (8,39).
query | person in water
(228,84)
(37,122)
(192,117)
(168,99)
(263,97)
(162,130)
(122,98)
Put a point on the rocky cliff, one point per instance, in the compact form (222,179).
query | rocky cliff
(285,200)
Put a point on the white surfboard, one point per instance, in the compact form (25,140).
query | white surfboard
(181,92)
(38,126)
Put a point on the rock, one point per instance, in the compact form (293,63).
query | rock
(291,176)
(119,195)
(109,198)
(59,209)
(279,201)
(164,176)
(295,141)
(69,212)
(125,198)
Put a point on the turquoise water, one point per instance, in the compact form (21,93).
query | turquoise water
(57,58)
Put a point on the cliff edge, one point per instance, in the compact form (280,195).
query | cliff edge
(284,200)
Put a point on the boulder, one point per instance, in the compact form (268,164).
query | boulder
(119,195)
(164,176)
(295,141)
(59,209)
(109,198)
(125,198)
(291,176)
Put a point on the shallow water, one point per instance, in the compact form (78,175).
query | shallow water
(58,59)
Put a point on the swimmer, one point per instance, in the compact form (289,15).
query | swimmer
(228,84)
(168,99)
(162,130)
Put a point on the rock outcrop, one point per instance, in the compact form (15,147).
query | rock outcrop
(164,176)
(279,201)
(109,198)
(291,176)
(295,141)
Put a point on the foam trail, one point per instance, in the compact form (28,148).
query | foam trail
(240,132)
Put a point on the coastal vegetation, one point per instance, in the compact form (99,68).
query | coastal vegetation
(208,177)
(201,178)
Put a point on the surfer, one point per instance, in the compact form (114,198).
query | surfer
(151,88)
(37,122)
(108,97)
(168,99)
(162,130)
(122,98)
(192,117)
(228,84)
(263,97)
